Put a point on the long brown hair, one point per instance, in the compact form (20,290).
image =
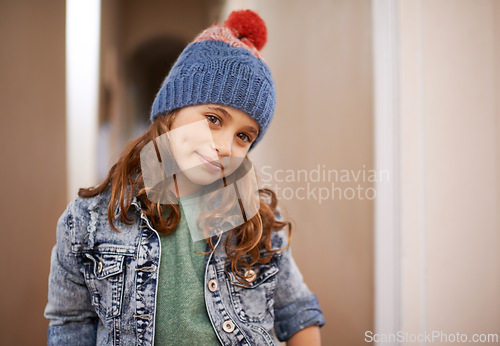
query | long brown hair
(244,244)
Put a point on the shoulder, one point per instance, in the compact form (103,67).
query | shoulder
(279,238)
(82,217)
(88,209)
(84,226)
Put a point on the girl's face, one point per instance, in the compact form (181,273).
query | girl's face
(210,141)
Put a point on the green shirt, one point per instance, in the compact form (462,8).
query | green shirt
(181,316)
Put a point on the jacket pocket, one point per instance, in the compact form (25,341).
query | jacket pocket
(104,277)
(253,302)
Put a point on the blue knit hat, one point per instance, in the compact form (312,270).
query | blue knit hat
(223,66)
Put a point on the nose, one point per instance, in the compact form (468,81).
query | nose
(223,144)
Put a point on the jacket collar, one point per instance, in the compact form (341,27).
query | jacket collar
(135,202)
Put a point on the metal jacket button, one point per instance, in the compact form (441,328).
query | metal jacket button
(99,267)
(228,326)
(250,275)
(212,285)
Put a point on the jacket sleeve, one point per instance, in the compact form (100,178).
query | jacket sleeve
(72,319)
(296,307)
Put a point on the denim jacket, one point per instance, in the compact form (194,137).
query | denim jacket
(103,285)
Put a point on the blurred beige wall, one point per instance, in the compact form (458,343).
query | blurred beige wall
(450,159)
(33,173)
(320,56)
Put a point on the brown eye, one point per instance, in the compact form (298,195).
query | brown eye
(213,119)
(244,137)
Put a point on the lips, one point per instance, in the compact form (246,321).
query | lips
(209,163)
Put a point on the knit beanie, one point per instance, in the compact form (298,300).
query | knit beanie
(223,65)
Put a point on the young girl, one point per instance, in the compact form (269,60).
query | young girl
(177,246)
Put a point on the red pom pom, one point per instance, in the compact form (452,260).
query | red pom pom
(247,24)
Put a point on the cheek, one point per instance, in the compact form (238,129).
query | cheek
(191,136)
(185,140)
(240,152)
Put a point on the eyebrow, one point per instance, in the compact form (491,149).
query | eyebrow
(226,113)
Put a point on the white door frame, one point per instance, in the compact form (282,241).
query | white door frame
(387,242)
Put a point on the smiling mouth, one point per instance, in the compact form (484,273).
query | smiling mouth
(211,164)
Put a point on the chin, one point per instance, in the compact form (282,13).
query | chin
(200,177)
